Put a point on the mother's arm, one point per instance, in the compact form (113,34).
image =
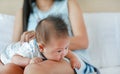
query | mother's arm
(49,67)
(80,39)
(18,27)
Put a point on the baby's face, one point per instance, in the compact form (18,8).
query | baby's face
(57,49)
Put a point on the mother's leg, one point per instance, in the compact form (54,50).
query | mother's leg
(10,69)
(49,67)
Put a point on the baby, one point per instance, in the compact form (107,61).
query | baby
(52,43)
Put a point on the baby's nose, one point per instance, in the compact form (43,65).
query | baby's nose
(63,54)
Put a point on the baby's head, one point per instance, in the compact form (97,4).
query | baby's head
(52,38)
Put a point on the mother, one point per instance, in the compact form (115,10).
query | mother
(35,10)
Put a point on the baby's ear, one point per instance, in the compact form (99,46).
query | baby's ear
(41,47)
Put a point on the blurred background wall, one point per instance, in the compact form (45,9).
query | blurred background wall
(10,6)
(88,6)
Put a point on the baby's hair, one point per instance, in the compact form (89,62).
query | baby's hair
(52,26)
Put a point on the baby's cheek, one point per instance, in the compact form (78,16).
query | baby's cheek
(57,58)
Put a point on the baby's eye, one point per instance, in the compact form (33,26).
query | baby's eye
(59,51)
(66,48)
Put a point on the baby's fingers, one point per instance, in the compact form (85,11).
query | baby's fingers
(76,66)
(31,62)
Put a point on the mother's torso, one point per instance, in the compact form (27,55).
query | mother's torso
(59,8)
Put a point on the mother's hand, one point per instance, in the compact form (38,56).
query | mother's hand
(27,36)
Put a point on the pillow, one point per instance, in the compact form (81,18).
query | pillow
(6,28)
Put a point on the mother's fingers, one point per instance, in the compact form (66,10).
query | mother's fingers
(27,36)
(31,36)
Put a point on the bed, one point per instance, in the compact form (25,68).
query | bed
(104,37)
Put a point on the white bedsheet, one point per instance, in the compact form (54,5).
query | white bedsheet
(104,37)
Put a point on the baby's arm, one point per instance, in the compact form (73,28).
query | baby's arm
(24,61)
(20,60)
(73,60)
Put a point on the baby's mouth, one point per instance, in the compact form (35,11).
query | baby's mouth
(61,58)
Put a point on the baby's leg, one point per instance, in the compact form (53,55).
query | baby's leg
(10,69)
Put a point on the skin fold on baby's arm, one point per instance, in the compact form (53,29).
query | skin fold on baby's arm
(35,60)
(75,63)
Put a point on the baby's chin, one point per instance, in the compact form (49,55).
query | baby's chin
(61,59)
(57,60)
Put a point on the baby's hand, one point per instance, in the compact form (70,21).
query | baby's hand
(75,63)
(36,60)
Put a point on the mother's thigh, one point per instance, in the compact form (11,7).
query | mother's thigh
(10,69)
(49,67)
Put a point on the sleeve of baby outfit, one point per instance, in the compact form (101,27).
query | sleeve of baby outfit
(25,50)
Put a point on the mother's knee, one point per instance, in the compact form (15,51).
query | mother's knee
(12,69)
